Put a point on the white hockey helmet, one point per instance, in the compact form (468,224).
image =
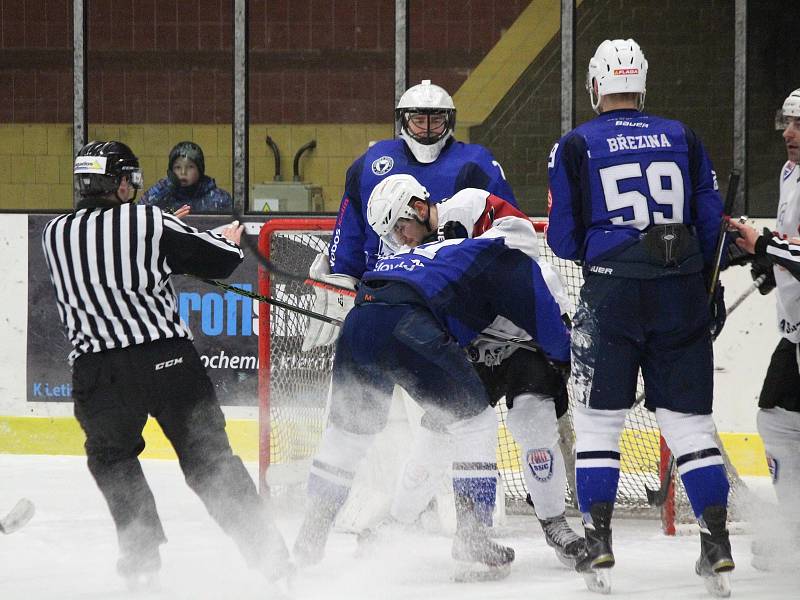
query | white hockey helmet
(425,99)
(389,202)
(618,67)
(790,108)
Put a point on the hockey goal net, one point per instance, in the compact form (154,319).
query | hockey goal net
(293,387)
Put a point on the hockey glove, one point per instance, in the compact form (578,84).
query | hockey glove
(761,270)
(329,303)
(451,230)
(718,311)
(736,256)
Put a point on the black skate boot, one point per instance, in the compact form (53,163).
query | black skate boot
(598,556)
(715,560)
(309,547)
(140,570)
(560,536)
(471,544)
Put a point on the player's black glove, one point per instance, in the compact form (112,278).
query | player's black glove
(736,256)
(451,230)
(761,270)
(718,311)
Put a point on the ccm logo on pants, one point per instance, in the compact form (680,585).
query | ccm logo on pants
(169,363)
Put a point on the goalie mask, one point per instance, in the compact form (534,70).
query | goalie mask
(617,67)
(100,166)
(790,109)
(389,202)
(425,118)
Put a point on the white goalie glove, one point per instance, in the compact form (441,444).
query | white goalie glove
(328,303)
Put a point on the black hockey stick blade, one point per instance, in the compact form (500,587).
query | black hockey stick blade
(18,516)
(659,496)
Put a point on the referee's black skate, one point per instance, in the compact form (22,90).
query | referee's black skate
(569,546)
(309,547)
(140,570)
(715,562)
(598,557)
(485,559)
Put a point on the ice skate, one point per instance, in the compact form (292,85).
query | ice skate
(140,571)
(598,557)
(715,562)
(485,560)
(560,536)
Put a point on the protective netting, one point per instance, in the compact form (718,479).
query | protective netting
(297,382)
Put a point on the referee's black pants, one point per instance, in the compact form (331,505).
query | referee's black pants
(114,391)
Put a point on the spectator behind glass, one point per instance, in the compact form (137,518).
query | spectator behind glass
(187,188)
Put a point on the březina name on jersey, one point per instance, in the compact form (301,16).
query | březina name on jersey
(615,176)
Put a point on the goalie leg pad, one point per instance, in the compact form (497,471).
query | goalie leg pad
(427,465)
(691,439)
(533,424)
(597,456)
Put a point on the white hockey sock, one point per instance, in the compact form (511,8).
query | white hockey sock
(475,463)
(532,421)
(334,465)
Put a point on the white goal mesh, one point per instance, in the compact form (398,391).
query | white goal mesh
(293,385)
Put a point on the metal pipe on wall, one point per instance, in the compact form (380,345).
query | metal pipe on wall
(240,112)
(740,104)
(400,49)
(79,107)
(567,65)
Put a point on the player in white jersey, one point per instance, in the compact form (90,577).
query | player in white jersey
(401,214)
(779,401)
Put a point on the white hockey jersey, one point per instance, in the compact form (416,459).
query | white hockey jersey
(788,221)
(485,215)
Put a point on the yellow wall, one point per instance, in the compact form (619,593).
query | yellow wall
(36,159)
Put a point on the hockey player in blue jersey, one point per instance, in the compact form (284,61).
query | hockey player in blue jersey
(413,317)
(400,211)
(426,148)
(634,199)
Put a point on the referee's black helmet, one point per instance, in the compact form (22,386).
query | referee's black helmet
(100,166)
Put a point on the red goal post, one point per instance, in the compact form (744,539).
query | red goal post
(293,385)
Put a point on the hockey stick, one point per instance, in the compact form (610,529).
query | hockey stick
(273,301)
(659,496)
(494,335)
(18,516)
(757,282)
(722,236)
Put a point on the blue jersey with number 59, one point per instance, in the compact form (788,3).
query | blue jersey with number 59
(615,176)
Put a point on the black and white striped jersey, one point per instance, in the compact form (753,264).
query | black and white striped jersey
(110,267)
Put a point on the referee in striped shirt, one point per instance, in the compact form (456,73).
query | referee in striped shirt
(110,262)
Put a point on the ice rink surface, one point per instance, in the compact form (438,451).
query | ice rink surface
(69,551)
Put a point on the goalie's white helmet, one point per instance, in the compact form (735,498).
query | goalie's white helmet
(388,202)
(790,108)
(426,99)
(618,67)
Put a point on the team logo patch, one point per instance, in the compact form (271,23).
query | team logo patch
(772,465)
(628,71)
(540,462)
(382,165)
